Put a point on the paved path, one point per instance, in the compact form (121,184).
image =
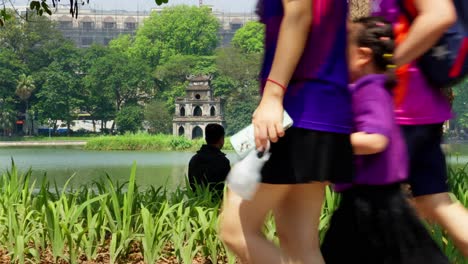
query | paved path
(41,143)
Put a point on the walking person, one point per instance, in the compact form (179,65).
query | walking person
(374,222)
(305,73)
(421,110)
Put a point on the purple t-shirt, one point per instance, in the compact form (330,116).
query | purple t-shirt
(373,114)
(416,102)
(317,96)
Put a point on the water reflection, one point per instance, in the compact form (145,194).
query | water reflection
(59,163)
(153,168)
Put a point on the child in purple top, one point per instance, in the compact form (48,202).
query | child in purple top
(377,139)
(375,223)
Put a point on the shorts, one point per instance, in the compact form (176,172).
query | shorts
(427,165)
(304,156)
(375,224)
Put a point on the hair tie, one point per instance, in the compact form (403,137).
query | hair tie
(388,55)
(384,38)
(391,66)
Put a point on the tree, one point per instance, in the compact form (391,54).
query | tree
(118,80)
(158,118)
(24,90)
(7,119)
(59,97)
(10,69)
(97,103)
(250,38)
(33,42)
(172,74)
(176,30)
(237,83)
(129,119)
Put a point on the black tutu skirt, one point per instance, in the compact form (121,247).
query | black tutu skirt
(305,156)
(376,225)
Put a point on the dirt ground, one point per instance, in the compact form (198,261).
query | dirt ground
(134,256)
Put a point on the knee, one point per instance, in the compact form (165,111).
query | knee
(231,235)
(298,239)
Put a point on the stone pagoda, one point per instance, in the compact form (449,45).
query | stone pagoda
(197,109)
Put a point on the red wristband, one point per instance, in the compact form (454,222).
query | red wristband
(277,83)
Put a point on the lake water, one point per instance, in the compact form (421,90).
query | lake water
(153,168)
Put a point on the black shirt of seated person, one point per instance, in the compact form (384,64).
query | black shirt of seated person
(210,167)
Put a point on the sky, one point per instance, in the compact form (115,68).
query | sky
(222,5)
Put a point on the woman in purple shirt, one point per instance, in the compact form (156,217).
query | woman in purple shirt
(305,73)
(375,223)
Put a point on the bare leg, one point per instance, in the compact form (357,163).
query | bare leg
(242,222)
(297,221)
(452,216)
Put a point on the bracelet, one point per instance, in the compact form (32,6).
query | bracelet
(277,83)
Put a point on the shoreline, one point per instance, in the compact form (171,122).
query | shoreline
(41,143)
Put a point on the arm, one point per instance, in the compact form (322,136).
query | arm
(295,25)
(368,144)
(435,17)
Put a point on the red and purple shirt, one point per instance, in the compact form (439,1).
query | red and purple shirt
(416,102)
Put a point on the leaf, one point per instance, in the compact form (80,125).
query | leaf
(34,5)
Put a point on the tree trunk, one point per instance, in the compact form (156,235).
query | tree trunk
(68,128)
(27,119)
(112,127)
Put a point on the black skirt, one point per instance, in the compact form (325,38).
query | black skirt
(304,156)
(377,225)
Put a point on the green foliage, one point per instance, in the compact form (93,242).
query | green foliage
(129,119)
(119,79)
(238,114)
(460,105)
(97,102)
(152,65)
(143,141)
(11,68)
(25,87)
(158,118)
(250,37)
(176,30)
(4,16)
(74,224)
(238,85)
(59,95)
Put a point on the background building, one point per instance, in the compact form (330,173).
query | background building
(101,26)
(197,109)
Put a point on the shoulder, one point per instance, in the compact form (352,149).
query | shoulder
(372,86)
(194,158)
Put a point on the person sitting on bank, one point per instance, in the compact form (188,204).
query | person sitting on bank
(210,167)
